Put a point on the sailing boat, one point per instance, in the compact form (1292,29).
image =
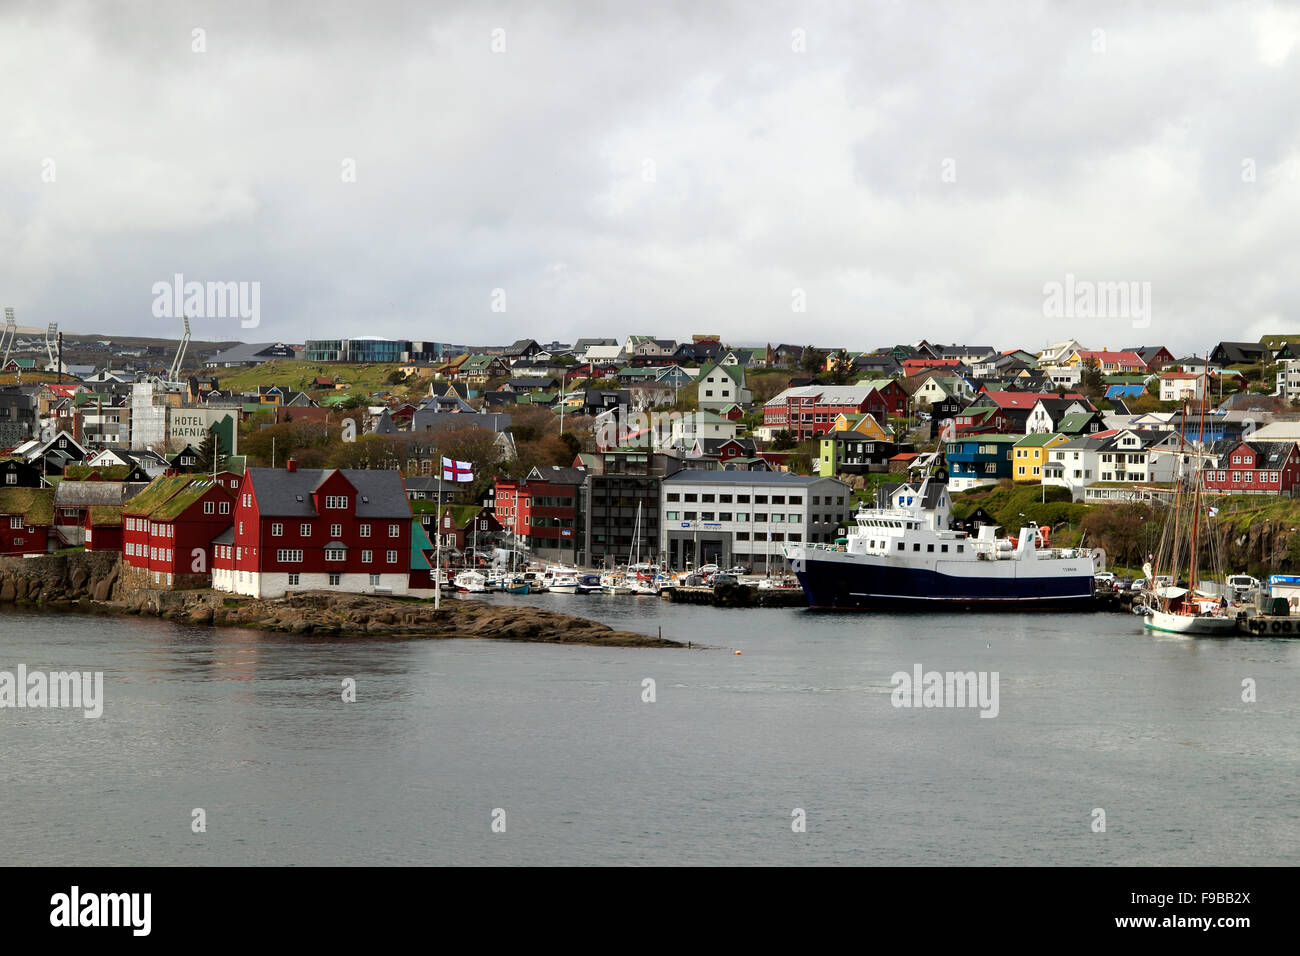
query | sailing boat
(1191,609)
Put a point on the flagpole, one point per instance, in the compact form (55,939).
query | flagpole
(437,546)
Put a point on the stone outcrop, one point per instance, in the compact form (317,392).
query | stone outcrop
(59,579)
(328,613)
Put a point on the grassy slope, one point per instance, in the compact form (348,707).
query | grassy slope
(298,375)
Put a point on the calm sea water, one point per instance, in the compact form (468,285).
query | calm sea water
(252,728)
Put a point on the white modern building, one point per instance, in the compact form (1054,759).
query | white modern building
(747,517)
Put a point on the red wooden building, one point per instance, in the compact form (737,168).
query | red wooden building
(315,529)
(26,517)
(168,531)
(1257,467)
(541,511)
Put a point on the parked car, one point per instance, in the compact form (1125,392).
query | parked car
(1121,584)
(722,579)
(707,569)
(1139,584)
(738,570)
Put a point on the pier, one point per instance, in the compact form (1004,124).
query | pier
(740,595)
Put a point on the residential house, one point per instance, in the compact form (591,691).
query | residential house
(1109,362)
(522,349)
(1240,353)
(17,473)
(1257,467)
(1047,413)
(1156,357)
(979,460)
(470,530)
(1030,454)
(720,386)
(854,453)
(1057,353)
(1181,387)
(26,520)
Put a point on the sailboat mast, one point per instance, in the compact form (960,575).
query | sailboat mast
(1196,500)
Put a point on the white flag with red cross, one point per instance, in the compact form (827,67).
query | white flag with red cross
(457,470)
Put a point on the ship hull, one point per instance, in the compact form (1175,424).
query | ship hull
(1206,625)
(863,585)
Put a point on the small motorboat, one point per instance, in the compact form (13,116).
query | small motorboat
(515,585)
(471,582)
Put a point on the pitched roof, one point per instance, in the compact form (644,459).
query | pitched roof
(36,505)
(379,493)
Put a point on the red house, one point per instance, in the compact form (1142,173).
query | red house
(103,528)
(467,527)
(169,532)
(893,398)
(1257,467)
(541,511)
(26,517)
(913,365)
(318,528)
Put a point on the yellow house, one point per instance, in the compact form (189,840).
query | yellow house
(864,424)
(1030,454)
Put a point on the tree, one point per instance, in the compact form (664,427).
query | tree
(812,360)
(1093,383)
(207,452)
(841,368)
(783,440)
(572,443)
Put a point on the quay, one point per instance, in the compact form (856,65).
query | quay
(740,595)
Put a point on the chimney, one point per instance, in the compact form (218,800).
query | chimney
(291,465)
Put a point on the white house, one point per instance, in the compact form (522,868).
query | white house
(720,386)
(686,429)
(1181,386)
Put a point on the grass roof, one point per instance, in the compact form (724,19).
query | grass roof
(158,491)
(106,516)
(106,472)
(175,506)
(35,505)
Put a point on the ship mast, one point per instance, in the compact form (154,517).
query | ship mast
(1196,498)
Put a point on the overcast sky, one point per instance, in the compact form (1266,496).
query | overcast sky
(898,170)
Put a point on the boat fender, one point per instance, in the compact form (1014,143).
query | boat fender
(1277,627)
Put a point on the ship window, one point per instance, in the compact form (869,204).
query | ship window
(961,548)
(901,546)
(943,548)
(916,547)
(929,547)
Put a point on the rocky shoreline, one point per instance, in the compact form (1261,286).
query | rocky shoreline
(330,614)
(90,582)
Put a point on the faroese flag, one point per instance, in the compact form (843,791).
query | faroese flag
(456,470)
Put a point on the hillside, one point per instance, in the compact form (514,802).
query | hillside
(298,375)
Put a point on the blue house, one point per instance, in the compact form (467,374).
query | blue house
(979,460)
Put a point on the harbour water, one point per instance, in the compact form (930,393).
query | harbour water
(252,728)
